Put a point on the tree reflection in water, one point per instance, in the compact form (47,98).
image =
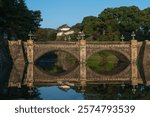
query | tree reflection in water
(113,92)
(91,92)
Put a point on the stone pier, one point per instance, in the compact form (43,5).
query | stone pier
(82,61)
(30,49)
(134,55)
(29,78)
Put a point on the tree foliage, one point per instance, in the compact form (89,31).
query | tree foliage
(16,20)
(45,34)
(114,22)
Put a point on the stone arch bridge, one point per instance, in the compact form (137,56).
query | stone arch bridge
(30,51)
(81,50)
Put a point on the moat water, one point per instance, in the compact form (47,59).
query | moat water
(12,86)
(23,82)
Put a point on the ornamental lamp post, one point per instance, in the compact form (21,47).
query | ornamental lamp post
(82,35)
(30,91)
(30,35)
(69,38)
(134,90)
(122,38)
(5,36)
(123,85)
(133,35)
(65,38)
(78,37)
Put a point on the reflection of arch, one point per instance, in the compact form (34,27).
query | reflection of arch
(123,56)
(58,74)
(42,77)
(124,75)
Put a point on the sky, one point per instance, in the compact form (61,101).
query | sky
(58,12)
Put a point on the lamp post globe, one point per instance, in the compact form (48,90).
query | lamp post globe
(133,35)
(122,38)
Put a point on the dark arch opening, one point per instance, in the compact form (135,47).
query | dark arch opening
(108,62)
(50,51)
(57,62)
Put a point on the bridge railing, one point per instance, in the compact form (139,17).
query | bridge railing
(56,42)
(108,42)
(76,42)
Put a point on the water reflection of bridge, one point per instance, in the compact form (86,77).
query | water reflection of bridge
(32,76)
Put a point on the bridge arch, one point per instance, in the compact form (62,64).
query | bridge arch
(67,62)
(123,55)
(123,63)
(55,50)
(38,53)
(120,55)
